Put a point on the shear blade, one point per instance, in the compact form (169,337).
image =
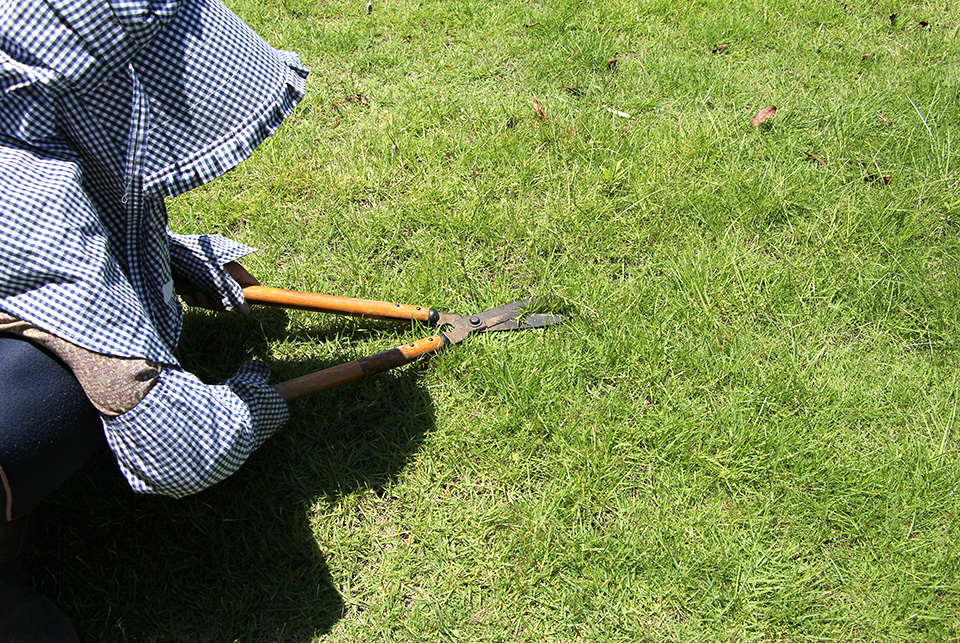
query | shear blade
(527,321)
(518,320)
(507,317)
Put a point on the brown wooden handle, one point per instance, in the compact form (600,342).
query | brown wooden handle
(317,302)
(353,371)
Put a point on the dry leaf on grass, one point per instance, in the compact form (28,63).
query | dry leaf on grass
(763,115)
(719,48)
(870,177)
(876,178)
(617,112)
(816,158)
(539,109)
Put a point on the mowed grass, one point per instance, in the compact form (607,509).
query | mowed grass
(747,431)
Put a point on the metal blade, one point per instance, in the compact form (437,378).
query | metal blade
(479,322)
(522,321)
(527,321)
(507,317)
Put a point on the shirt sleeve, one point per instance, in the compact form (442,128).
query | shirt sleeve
(185,436)
(200,258)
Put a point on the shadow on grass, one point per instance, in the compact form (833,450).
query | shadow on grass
(239,561)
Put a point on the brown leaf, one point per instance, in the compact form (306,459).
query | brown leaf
(816,158)
(876,178)
(868,56)
(611,63)
(719,48)
(763,115)
(924,24)
(870,177)
(536,105)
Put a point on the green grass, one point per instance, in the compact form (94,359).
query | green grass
(749,430)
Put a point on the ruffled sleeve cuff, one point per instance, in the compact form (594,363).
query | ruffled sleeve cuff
(200,258)
(186,436)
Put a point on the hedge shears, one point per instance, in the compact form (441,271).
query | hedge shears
(513,316)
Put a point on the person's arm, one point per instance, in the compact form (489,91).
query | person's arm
(199,298)
(206,273)
(186,435)
(171,433)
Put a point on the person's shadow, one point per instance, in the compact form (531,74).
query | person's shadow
(238,561)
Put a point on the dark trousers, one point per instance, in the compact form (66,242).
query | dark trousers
(48,428)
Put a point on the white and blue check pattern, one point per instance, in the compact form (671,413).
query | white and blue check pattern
(106,108)
(205,452)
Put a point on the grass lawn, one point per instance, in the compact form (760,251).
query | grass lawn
(747,432)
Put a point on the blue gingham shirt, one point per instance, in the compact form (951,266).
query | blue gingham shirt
(106,108)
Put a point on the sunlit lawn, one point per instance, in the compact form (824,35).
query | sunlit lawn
(747,432)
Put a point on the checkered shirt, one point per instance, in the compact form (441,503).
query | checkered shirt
(106,108)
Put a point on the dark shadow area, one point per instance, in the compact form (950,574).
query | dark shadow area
(239,561)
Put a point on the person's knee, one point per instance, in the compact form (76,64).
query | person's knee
(48,428)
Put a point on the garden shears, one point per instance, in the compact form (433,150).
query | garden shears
(511,316)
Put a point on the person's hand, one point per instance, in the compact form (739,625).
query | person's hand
(193,296)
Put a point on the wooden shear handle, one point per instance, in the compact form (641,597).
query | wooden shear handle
(352,371)
(340,305)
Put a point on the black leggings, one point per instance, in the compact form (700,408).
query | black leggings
(48,428)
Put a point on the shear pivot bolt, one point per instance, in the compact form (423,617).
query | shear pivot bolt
(474,321)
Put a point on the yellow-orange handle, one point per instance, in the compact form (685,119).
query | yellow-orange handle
(352,371)
(339,305)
